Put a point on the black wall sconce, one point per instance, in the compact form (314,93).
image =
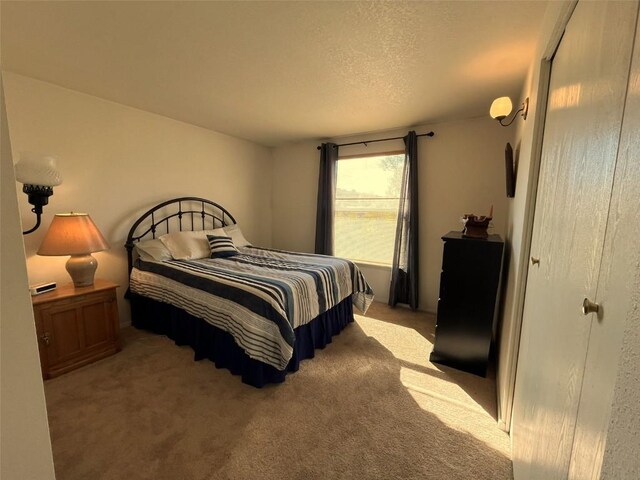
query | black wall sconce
(502,107)
(39,174)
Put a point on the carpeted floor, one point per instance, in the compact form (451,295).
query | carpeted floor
(369,406)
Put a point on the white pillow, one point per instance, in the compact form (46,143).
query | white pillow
(235,233)
(189,245)
(153,250)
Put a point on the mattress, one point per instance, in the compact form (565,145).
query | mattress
(259,296)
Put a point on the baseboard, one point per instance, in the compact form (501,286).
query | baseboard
(502,425)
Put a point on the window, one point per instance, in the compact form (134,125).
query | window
(366,207)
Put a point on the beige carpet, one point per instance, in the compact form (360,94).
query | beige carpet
(368,406)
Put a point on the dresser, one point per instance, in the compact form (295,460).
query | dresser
(467,305)
(76,326)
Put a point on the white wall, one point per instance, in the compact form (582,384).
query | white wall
(117,161)
(620,459)
(461,170)
(25,447)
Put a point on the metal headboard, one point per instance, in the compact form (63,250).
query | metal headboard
(188,213)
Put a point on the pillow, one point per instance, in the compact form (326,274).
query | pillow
(189,245)
(221,246)
(153,250)
(235,233)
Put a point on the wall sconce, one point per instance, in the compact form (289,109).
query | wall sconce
(501,108)
(38,174)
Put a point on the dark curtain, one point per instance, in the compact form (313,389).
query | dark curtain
(404,273)
(326,195)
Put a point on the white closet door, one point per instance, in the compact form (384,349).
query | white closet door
(618,296)
(586,98)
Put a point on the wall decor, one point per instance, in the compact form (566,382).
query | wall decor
(510,171)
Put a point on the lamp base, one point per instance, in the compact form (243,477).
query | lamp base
(82,269)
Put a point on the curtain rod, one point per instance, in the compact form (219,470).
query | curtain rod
(428,134)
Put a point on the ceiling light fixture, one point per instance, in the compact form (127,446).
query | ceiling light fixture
(501,108)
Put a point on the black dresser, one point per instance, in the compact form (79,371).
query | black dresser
(468,303)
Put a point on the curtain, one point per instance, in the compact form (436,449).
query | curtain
(404,272)
(326,196)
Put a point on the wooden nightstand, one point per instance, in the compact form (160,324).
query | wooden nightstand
(76,326)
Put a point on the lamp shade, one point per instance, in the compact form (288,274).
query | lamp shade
(72,234)
(37,169)
(501,107)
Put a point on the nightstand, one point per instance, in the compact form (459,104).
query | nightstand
(76,326)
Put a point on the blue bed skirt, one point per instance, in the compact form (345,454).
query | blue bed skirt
(219,346)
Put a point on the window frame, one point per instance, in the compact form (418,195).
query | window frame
(357,156)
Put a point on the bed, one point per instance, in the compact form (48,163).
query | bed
(254,311)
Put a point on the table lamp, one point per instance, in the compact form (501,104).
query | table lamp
(75,234)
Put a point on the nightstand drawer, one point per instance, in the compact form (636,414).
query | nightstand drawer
(85,297)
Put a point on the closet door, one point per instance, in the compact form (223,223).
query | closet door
(586,99)
(603,419)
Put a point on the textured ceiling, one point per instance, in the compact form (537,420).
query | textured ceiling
(274,72)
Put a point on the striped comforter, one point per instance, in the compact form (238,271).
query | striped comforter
(259,296)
